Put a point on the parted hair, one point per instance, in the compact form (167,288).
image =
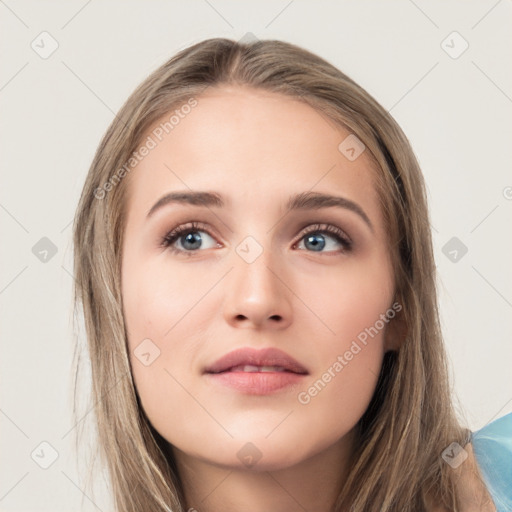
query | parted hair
(397,464)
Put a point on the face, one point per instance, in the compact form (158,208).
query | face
(257,316)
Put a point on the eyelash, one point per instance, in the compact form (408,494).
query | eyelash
(171,237)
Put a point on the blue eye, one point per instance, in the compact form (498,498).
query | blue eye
(315,238)
(188,236)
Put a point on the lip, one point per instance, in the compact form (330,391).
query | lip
(254,357)
(227,372)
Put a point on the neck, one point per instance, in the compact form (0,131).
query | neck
(313,484)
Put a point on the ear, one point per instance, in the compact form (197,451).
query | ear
(396,330)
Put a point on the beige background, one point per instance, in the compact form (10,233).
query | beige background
(54,110)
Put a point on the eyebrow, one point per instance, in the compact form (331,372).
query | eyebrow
(302,201)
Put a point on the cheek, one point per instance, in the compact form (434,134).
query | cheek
(340,392)
(161,305)
(355,309)
(157,297)
(348,301)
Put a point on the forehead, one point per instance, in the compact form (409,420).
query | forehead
(257,147)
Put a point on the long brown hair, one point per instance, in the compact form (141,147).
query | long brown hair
(397,465)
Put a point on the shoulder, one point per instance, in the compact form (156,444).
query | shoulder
(492,448)
(483,473)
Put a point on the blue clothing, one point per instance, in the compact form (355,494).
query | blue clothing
(492,446)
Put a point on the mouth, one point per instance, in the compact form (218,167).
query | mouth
(249,368)
(256,372)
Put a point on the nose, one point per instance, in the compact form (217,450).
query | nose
(257,294)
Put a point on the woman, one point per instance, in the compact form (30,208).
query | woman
(290,358)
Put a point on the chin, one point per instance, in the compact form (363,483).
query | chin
(257,456)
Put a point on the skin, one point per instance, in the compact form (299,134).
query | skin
(256,148)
